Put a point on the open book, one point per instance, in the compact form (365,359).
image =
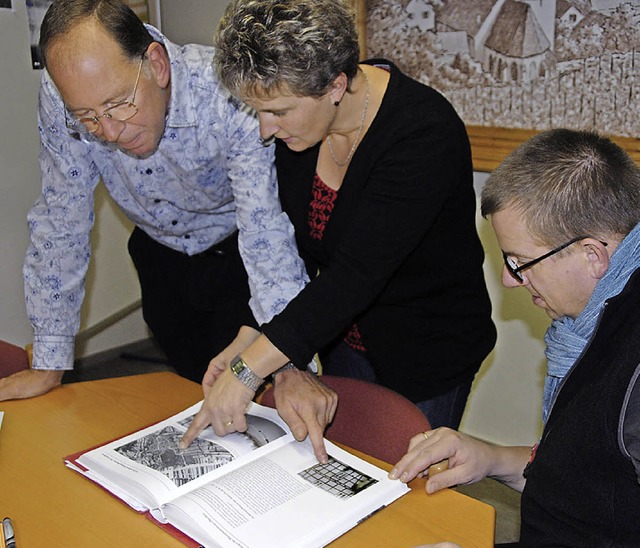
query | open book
(257,488)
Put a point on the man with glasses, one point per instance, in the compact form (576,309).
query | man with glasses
(122,104)
(565,208)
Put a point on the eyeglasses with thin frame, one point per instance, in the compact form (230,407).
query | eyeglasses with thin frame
(515,270)
(120,112)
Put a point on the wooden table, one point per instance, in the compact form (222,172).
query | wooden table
(51,505)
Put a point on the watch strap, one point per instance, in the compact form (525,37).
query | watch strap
(285,367)
(244,373)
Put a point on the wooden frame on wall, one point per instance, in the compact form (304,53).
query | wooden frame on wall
(490,145)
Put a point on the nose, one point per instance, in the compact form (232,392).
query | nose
(110,129)
(268,125)
(509,281)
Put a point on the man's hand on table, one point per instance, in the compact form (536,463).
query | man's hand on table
(470,460)
(307,405)
(29,383)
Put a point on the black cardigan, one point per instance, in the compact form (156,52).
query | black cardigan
(400,254)
(582,486)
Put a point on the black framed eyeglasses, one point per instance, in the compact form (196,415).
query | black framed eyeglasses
(120,112)
(515,270)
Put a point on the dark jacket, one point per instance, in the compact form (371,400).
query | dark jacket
(400,254)
(582,488)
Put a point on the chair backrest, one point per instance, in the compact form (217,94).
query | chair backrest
(12,359)
(370,418)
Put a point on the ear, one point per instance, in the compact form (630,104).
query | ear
(597,256)
(338,88)
(160,64)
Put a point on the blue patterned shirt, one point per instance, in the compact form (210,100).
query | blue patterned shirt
(209,175)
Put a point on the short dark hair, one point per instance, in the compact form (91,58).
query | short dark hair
(118,19)
(265,45)
(567,183)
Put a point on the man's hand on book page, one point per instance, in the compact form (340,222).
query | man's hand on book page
(29,383)
(223,408)
(307,405)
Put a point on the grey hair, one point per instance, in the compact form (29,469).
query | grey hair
(266,46)
(567,183)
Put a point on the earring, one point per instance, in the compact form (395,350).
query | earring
(336,103)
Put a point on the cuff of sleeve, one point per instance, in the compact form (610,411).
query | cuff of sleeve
(53,352)
(284,338)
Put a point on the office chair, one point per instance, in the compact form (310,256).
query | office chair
(12,358)
(370,418)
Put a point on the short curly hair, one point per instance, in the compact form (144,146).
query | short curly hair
(266,46)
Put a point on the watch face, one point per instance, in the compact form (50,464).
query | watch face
(238,366)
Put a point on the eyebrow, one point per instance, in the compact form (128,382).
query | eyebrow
(103,105)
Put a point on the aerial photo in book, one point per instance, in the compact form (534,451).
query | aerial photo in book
(256,488)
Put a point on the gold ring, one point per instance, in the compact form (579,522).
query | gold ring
(426,436)
(228,423)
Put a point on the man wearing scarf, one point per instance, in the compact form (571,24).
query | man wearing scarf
(565,208)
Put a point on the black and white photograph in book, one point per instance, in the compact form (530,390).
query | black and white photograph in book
(337,478)
(159,450)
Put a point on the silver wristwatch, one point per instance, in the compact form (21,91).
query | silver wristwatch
(244,374)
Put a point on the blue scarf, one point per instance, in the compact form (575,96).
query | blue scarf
(566,338)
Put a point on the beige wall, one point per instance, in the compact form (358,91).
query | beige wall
(505,402)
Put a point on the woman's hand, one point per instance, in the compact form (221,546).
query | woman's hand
(246,335)
(224,408)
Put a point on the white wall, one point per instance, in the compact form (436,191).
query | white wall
(112,282)
(18,175)
(190,21)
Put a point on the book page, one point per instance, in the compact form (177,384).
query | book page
(284,498)
(146,469)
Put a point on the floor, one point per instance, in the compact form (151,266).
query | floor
(146,357)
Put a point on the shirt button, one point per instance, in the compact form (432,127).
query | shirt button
(157,200)
(174,223)
(187,236)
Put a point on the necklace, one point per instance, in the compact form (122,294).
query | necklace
(355,142)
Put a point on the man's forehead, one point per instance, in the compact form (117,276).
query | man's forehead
(86,42)
(512,231)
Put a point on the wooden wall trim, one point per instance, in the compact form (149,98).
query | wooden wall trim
(491,145)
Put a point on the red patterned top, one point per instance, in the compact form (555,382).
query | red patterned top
(323,199)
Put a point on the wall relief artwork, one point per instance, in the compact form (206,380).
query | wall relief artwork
(515,67)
